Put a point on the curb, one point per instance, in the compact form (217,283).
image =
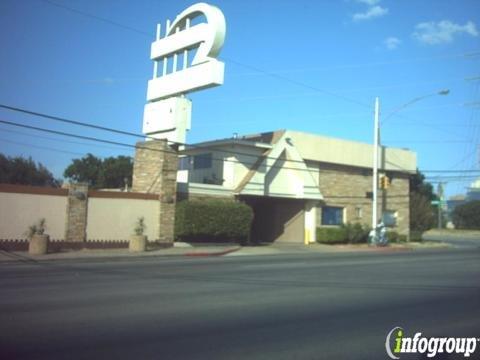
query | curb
(218,253)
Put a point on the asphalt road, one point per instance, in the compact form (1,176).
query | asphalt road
(313,306)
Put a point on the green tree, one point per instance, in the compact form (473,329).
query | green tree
(19,170)
(422,213)
(467,216)
(116,170)
(87,169)
(110,172)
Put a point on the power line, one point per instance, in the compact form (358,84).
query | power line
(68,121)
(451,171)
(461,177)
(57,140)
(122,132)
(41,147)
(80,123)
(75,135)
(299,83)
(140,147)
(99,18)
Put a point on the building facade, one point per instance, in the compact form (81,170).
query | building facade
(296,182)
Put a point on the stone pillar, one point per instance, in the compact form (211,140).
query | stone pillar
(155,172)
(77,205)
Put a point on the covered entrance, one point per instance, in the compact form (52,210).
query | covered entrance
(276,219)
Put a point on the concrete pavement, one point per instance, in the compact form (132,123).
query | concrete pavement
(286,306)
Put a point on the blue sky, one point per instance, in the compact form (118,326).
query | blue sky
(313,66)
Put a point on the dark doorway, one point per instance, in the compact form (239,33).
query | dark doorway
(276,220)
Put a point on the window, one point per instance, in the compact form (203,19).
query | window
(202,161)
(358,212)
(332,215)
(389,218)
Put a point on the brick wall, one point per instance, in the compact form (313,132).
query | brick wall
(347,187)
(77,206)
(155,172)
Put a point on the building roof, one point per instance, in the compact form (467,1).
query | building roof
(313,147)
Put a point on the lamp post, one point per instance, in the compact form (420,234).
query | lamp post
(376,144)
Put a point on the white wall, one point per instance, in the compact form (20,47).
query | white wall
(115,219)
(19,211)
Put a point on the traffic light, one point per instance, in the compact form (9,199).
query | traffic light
(384,182)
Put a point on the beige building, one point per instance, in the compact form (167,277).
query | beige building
(297,181)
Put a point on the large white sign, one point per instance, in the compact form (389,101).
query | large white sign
(179,70)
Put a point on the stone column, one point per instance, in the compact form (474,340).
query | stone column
(77,205)
(155,172)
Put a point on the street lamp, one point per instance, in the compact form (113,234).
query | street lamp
(414,100)
(376,144)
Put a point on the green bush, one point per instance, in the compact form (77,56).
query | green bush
(332,235)
(402,238)
(467,216)
(345,234)
(416,236)
(392,236)
(212,221)
(356,233)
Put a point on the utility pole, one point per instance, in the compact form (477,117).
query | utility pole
(375,164)
(440,203)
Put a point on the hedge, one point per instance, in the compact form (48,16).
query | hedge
(332,235)
(345,234)
(394,237)
(212,221)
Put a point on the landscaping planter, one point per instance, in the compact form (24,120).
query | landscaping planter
(138,243)
(38,244)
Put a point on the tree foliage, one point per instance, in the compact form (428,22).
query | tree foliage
(467,216)
(19,170)
(110,172)
(422,213)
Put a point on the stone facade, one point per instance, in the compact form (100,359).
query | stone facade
(155,172)
(347,187)
(77,205)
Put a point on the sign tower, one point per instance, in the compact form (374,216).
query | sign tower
(184,60)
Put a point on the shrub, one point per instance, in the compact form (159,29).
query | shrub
(36,229)
(332,235)
(467,216)
(402,238)
(416,236)
(392,236)
(140,226)
(348,233)
(356,233)
(212,221)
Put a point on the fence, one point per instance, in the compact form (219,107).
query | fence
(75,216)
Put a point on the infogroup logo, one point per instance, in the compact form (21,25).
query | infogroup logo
(397,343)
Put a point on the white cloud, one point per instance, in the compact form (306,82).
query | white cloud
(372,12)
(368,2)
(392,42)
(442,32)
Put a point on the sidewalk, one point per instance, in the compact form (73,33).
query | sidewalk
(180,249)
(184,249)
(273,249)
